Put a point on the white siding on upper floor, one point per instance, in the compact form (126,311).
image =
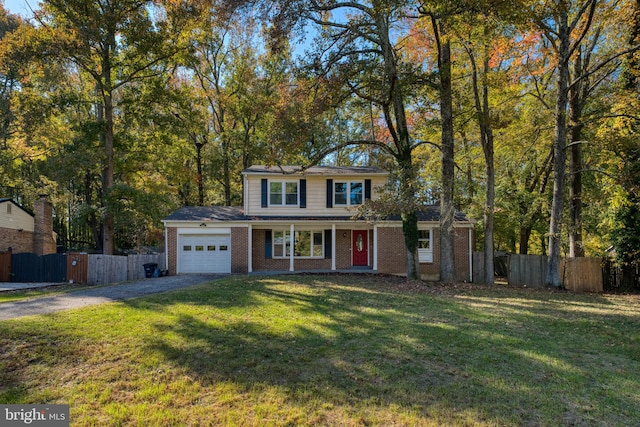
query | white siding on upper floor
(14,217)
(316,194)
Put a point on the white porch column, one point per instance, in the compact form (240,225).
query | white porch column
(291,247)
(333,247)
(249,249)
(375,248)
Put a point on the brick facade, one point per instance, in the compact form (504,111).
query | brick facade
(27,232)
(43,242)
(18,241)
(239,250)
(392,253)
(172,250)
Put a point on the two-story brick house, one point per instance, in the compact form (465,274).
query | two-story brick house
(295,220)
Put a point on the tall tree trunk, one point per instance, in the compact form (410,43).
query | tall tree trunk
(486,138)
(199,169)
(576,246)
(226,172)
(400,131)
(92,220)
(525,235)
(578,94)
(108,234)
(447,208)
(559,144)
(409,217)
(489,205)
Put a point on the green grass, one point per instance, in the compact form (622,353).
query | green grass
(333,350)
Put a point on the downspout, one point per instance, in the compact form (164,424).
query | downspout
(470,255)
(250,249)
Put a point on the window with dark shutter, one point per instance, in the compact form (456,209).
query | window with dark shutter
(268,248)
(303,193)
(327,244)
(367,189)
(329,193)
(264,193)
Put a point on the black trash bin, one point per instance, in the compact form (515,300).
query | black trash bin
(149,268)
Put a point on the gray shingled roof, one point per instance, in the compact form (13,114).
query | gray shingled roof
(315,170)
(230,213)
(431,213)
(208,213)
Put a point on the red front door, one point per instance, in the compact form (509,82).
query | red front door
(360,247)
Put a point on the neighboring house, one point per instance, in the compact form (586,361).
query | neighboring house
(296,220)
(22,231)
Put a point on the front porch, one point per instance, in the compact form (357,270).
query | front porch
(312,248)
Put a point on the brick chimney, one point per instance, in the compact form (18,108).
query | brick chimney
(43,242)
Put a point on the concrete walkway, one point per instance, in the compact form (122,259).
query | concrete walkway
(99,295)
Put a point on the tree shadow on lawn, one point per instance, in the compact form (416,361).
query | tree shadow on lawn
(352,343)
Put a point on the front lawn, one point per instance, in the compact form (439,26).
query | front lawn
(333,350)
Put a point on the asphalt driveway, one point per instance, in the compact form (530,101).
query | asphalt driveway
(99,295)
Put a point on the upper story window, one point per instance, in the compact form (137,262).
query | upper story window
(283,193)
(348,193)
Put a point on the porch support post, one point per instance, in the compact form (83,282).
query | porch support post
(249,249)
(333,247)
(375,248)
(291,247)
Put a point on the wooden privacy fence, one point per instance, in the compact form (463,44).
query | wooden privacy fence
(116,268)
(5,266)
(578,274)
(29,267)
(75,267)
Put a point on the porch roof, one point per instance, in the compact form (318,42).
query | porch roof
(236,214)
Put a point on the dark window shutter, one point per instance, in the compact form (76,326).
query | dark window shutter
(268,247)
(264,193)
(303,193)
(327,244)
(367,189)
(329,193)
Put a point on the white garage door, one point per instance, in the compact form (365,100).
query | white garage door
(205,253)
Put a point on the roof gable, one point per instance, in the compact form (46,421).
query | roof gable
(7,200)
